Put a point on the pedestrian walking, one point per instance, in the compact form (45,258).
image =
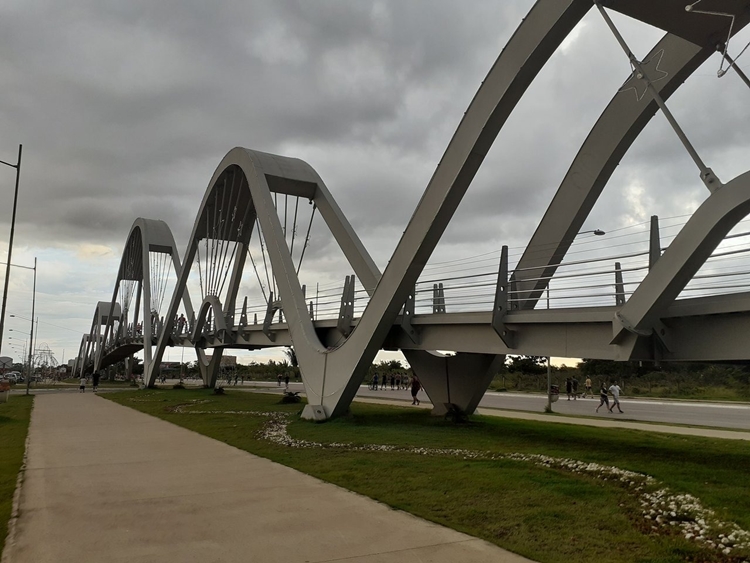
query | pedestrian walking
(575,388)
(286,382)
(588,388)
(603,398)
(415,387)
(393,382)
(615,390)
(82,388)
(374,382)
(95,381)
(181,324)
(569,387)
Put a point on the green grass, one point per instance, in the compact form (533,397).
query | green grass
(14,424)
(545,514)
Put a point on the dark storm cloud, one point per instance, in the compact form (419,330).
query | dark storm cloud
(112,99)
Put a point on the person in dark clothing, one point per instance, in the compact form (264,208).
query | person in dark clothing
(415,387)
(569,387)
(95,382)
(603,398)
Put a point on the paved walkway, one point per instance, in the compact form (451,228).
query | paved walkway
(105,483)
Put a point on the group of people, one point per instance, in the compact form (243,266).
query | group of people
(94,382)
(397,381)
(285,379)
(615,390)
(571,388)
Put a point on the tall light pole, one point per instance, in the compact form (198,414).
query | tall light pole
(596,232)
(31,342)
(17,166)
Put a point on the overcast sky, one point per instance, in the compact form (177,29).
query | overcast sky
(126,108)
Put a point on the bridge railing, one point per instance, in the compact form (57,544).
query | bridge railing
(585,278)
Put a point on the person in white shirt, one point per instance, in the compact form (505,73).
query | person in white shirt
(615,390)
(82,388)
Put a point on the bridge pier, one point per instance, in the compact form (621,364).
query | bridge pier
(459,380)
(210,367)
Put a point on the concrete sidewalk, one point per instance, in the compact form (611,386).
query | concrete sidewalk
(107,483)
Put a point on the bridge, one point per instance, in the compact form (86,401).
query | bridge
(674,289)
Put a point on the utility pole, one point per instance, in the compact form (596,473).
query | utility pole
(31,338)
(17,166)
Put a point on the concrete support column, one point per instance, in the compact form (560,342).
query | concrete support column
(460,380)
(210,367)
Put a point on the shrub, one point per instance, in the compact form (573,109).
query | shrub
(290,397)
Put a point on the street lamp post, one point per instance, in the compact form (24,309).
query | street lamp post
(31,342)
(596,232)
(17,166)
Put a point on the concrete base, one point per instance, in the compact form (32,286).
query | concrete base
(314,412)
(459,380)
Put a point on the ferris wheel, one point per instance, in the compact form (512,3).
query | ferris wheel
(44,358)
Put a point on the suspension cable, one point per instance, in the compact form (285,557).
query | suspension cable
(257,275)
(294,228)
(200,274)
(263,252)
(307,237)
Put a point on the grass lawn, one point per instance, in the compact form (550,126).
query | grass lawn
(14,424)
(546,512)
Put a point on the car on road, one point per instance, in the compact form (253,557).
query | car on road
(13,377)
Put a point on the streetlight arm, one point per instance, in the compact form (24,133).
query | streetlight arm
(17,266)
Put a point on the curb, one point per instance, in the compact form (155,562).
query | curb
(15,512)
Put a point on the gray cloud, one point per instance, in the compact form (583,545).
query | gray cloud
(125,109)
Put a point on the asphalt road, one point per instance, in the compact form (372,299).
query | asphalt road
(721,415)
(694,413)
